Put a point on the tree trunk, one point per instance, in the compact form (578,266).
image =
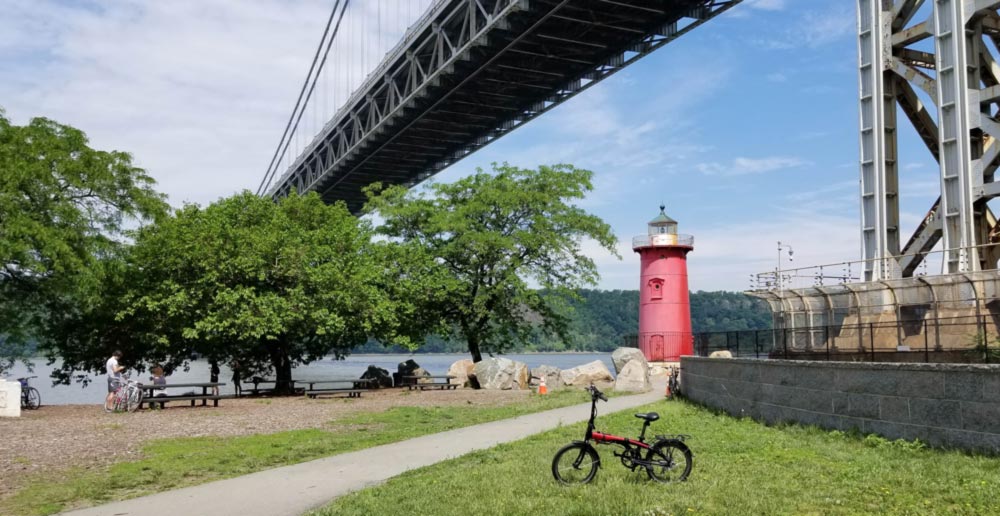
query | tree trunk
(282,370)
(477,355)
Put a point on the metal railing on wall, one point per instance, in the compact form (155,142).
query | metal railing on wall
(948,340)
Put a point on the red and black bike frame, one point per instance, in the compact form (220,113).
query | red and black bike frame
(603,438)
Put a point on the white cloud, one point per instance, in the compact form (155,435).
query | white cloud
(776,77)
(810,28)
(726,256)
(743,166)
(198,92)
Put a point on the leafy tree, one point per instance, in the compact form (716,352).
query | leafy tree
(269,284)
(468,252)
(63,206)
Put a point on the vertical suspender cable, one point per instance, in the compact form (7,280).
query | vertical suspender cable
(322,62)
(311,86)
(271,168)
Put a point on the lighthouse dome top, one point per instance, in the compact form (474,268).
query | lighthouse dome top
(662,224)
(662,233)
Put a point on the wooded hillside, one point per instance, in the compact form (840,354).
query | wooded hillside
(602,317)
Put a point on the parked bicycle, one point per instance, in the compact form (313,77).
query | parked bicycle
(30,399)
(127,396)
(667,459)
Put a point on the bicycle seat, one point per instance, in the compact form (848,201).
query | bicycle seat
(651,416)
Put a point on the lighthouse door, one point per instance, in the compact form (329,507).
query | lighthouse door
(656,348)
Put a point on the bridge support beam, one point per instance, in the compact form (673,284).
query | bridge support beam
(962,78)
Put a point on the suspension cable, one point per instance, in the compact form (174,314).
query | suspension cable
(271,168)
(312,86)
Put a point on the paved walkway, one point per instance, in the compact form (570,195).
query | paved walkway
(293,490)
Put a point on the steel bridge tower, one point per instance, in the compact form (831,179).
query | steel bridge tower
(961,76)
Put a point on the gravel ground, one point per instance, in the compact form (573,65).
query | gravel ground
(63,436)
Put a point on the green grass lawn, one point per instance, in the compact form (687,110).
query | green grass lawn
(172,463)
(740,468)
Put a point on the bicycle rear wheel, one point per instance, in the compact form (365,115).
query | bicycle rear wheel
(32,399)
(575,463)
(669,461)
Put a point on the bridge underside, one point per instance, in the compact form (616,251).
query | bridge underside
(474,71)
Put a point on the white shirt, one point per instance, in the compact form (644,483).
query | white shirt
(111,366)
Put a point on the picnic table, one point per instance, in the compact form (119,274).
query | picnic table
(429,382)
(256,385)
(356,386)
(149,391)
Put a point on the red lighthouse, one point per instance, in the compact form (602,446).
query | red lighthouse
(664,304)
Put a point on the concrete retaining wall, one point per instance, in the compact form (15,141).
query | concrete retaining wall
(948,405)
(10,399)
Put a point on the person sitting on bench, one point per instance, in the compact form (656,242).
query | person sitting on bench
(158,379)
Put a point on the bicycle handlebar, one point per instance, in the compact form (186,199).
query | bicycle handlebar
(596,393)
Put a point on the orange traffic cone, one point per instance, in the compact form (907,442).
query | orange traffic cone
(542,389)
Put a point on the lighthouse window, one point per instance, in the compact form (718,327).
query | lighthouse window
(663,230)
(655,288)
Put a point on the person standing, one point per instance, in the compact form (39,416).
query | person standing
(114,376)
(213,376)
(235,366)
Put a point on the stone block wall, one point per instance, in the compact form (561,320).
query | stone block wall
(945,405)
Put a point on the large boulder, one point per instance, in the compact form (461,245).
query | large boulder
(594,372)
(404,369)
(621,356)
(721,354)
(381,376)
(420,371)
(634,377)
(551,375)
(407,368)
(461,371)
(499,373)
(522,375)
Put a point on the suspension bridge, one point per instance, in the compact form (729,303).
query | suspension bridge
(417,85)
(461,74)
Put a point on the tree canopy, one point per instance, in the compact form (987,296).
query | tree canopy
(471,254)
(63,207)
(262,282)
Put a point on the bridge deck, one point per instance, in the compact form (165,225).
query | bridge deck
(472,71)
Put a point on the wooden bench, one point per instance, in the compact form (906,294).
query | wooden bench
(351,393)
(205,396)
(356,386)
(431,382)
(256,386)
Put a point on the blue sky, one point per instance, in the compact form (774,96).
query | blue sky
(746,127)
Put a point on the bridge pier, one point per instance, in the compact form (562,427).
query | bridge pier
(893,66)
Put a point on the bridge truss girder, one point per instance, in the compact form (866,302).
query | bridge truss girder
(962,78)
(471,71)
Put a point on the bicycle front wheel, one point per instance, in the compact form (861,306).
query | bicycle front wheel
(32,400)
(669,461)
(575,463)
(134,399)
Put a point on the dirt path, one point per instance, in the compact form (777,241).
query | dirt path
(63,436)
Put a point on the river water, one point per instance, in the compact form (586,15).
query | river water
(350,367)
